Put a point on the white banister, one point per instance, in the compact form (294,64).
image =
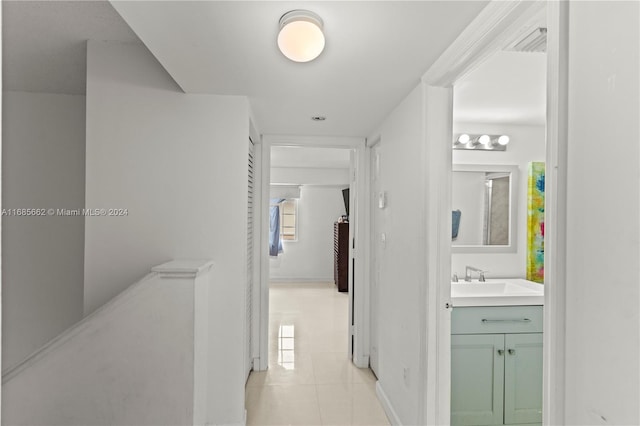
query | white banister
(140,359)
(185,268)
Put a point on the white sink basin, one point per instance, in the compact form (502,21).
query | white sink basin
(497,292)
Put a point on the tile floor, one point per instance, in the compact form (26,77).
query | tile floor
(311,380)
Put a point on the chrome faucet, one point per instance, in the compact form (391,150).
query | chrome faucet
(469,269)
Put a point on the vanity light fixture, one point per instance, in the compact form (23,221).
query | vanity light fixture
(301,38)
(481,142)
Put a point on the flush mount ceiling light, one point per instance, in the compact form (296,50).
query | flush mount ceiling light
(481,142)
(301,38)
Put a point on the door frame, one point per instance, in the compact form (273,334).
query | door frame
(498,22)
(358,308)
(370,245)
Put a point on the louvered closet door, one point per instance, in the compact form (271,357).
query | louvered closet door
(249,289)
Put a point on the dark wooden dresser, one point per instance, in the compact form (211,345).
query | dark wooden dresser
(341,255)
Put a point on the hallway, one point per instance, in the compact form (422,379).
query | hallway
(310,380)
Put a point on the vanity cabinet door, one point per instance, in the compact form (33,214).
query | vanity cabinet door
(523,378)
(477,379)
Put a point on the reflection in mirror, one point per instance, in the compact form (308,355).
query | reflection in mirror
(496,209)
(484,208)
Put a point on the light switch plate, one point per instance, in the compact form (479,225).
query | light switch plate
(382,199)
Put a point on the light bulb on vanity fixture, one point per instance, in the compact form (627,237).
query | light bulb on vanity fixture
(463,138)
(481,142)
(301,36)
(503,140)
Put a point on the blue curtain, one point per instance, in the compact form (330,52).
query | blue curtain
(275,243)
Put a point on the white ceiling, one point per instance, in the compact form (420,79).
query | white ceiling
(331,158)
(369,64)
(44,42)
(376,52)
(508,88)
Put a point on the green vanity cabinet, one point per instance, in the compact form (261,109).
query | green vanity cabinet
(477,379)
(496,365)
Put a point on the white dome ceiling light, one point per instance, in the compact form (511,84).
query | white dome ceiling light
(301,38)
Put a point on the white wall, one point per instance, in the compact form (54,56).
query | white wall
(309,176)
(603,230)
(401,262)
(527,144)
(310,258)
(42,257)
(178,163)
(132,363)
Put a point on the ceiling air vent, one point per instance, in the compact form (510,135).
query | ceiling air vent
(535,41)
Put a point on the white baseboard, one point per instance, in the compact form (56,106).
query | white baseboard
(273,279)
(241,423)
(386,405)
(256,364)
(361,362)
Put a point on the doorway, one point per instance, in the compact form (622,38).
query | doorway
(328,188)
(506,19)
(491,195)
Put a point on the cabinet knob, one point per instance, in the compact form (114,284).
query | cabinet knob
(511,351)
(500,351)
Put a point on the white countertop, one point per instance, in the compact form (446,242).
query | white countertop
(497,292)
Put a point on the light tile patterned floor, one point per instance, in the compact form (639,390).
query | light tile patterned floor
(311,380)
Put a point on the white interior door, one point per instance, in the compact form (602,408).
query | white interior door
(376,247)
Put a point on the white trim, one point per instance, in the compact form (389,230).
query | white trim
(496,25)
(183,268)
(361,361)
(325,185)
(369,242)
(360,330)
(374,141)
(242,423)
(307,168)
(1,205)
(254,135)
(276,280)
(386,405)
(314,141)
(350,283)
(555,213)
(263,293)
(258,243)
(435,318)
(357,250)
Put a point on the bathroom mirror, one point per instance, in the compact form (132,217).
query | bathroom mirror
(484,204)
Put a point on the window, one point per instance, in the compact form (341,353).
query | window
(289,220)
